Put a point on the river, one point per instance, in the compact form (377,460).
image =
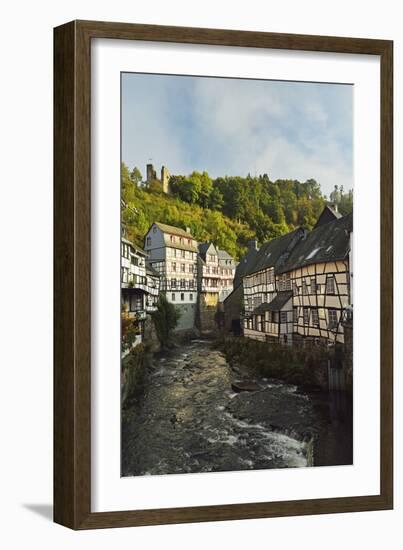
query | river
(190,419)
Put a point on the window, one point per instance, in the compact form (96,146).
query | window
(182,297)
(173,283)
(283,317)
(306,315)
(304,287)
(295,315)
(183,283)
(134,260)
(148,241)
(314,286)
(315,318)
(173,296)
(136,302)
(191,283)
(191,297)
(183,267)
(173,266)
(182,253)
(332,318)
(330,289)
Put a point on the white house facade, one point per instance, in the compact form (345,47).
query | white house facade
(173,254)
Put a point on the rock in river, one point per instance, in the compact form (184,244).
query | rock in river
(244,386)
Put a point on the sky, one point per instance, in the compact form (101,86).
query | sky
(288,130)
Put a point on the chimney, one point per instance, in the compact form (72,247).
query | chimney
(252,245)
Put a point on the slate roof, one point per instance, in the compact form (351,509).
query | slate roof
(172,230)
(150,270)
(328,214)
(204,247)
(326,243)
(136,248)
(276,251)
(246,263)
(223,254)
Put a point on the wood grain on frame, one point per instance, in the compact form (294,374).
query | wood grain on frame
(72,271)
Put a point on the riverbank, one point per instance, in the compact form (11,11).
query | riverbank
(332,437)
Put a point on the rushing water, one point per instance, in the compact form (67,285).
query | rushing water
(191,420)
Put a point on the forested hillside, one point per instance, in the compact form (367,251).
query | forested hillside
(228,211)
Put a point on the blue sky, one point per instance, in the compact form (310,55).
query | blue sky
(227,126)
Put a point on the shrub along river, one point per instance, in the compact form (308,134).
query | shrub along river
(197,414)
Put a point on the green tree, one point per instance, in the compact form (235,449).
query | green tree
(165,319)
(135,176)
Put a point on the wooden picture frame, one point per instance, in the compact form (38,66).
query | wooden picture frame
(72,271)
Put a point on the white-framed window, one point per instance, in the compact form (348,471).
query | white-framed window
(330,286)
(295,314)
(182,297)
(315,317)
(173,266)
(306,315)
(191,297)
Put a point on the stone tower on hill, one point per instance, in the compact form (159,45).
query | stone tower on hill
(165,179)
(152,176)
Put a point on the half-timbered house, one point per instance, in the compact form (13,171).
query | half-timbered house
(153,287)
(173,253)
(318,272)
(227,266)
(134,284)
(268,313)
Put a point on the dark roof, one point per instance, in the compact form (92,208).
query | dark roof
(276,251)
(280,300)
(275,305)
(326,243)
(246,263)
(328,214)
(134,246)
(150,270)
(204,247)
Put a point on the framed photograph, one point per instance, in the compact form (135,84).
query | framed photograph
(222,274)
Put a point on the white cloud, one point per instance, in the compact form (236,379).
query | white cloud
(288,130)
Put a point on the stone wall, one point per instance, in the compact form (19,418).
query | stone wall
(207,311)
(233,305)
(187,317)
